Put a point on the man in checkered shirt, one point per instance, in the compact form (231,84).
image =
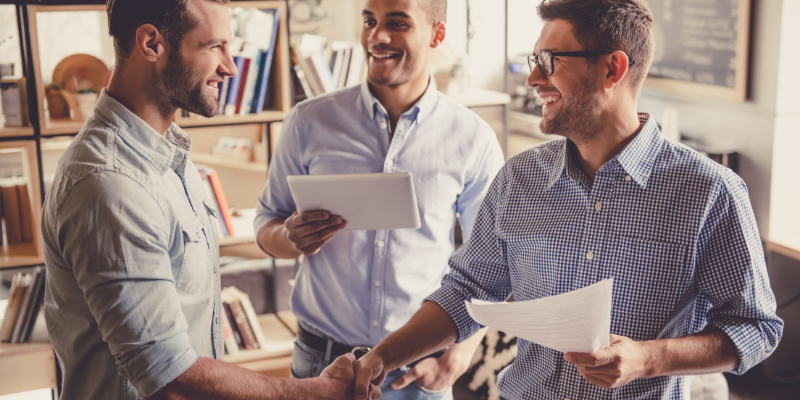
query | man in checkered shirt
(612,199)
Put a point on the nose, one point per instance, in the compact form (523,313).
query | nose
(227,67)
(536,78)
(379,35)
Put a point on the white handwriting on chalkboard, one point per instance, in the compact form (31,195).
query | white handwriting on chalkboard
(697,58)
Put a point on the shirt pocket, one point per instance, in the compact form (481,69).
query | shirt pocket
(195,259)
(651,280)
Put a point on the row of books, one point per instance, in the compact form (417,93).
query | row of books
(214,191)
(318,74)
(15,211)
(24,301)
(240,324)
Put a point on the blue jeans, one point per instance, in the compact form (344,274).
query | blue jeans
(309,363)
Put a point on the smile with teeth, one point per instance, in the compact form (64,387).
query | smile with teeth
(383,56)
(550,99)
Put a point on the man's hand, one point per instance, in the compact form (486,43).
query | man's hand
(336,381)
(311,230)
(370,373)
(615,366)
(437,373)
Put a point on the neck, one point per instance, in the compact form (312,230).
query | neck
(616,131)
(126,87)
(399,99)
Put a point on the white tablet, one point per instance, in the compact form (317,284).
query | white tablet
(365,201)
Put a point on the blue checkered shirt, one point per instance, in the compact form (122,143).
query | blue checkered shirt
(674,229)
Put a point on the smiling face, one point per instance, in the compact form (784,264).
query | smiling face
(397,36)
(572,94)
(192,74)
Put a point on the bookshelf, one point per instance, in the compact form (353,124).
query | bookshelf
(26,253)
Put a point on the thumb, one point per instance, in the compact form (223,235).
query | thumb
(361,387)
(405,380)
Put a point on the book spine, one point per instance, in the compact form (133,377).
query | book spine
(25,214)
(11,309)
(253,319)
(38,298)
(233,90)
(263,93)
(242,83)
(223,94)
(237,336)
(245,329)
(251,87)
(23,308)
(216,185)
(230,341)
(11,212)
(324,72)
(354,74)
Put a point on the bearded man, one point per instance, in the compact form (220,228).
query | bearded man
(612,199)
(133,287)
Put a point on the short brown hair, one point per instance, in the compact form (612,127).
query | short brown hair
(625,25)
(170,17)
(436,9)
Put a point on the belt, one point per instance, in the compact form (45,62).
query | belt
(320,344)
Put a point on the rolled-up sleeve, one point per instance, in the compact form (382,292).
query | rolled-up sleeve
(276,201)
(117,246)
(732,275)
(479,268)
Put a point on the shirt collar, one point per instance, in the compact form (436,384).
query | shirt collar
(637,158)
(162,153)
(422,108)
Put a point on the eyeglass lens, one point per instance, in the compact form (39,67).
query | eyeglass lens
(544,60)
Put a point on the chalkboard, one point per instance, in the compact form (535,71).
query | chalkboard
(701,47)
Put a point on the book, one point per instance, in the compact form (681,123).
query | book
(323,72)
(357,66)
(230,342)
(301,77)
(8,187)
(301,61)
(225,211)
(342,78)
(25,300)
(239,97)
(233,89)
(237,336)
(251,83)
(25,213)
(36,304)
(12,309)
(250,312)
(245,329)
(267,63)
(223,94)
(222,228)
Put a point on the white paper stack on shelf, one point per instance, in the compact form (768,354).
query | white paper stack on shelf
(577,321)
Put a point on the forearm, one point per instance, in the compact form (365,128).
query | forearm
(211,379)
(428,331)
(707,352)
(274,239)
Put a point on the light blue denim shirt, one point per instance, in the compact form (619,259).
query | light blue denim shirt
(364,285)
(130,245)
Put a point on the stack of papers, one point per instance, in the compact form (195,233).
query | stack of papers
(577,321)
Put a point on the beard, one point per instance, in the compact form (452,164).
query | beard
(179,85)
(577,121)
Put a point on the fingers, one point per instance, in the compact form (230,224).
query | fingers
(411,376)
(595,380)
(601,357)
(362,387)
(374,392)
(309,231)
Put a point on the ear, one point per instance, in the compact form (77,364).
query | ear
(617,67)
(149,43)
(439,32)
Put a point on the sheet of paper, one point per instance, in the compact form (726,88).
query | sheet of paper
(578,321)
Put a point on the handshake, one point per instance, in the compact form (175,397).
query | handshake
(338,381)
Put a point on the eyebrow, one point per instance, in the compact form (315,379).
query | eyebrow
(214,41)
(391,14)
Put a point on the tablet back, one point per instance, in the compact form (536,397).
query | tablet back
(365,201)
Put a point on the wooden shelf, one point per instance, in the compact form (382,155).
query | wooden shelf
(28,366)
(214,161)
(24,254)
(276,360)
(61,126)
(16,131)
(264,117)
(20,255)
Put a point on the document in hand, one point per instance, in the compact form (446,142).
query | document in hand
(577,321)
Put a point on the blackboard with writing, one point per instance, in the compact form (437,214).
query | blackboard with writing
(701,41)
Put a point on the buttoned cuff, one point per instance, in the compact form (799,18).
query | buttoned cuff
(452,301)
(151,368)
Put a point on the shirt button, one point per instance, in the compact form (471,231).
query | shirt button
(215,270)
(216,321)
(383,125)
(589,255)
(380,244)
(374,323)
(377,283)
(598,206)
(390,163)
(627,178)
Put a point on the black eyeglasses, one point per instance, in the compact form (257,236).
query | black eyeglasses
(545,58)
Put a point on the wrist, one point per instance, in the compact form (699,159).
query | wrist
(655,357)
